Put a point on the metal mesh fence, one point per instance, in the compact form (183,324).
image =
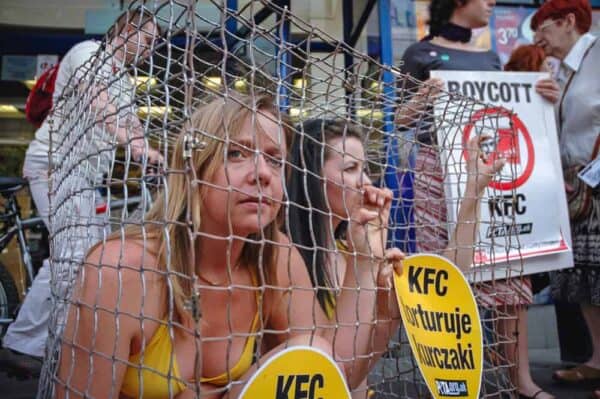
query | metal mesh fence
(246,157)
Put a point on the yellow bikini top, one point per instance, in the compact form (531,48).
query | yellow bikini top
(158,375)
(332,303)
(330,306)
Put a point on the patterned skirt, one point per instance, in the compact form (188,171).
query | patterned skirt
(581,284)
(431,230)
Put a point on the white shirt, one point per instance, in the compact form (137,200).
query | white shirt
(74,61)
(83,62)
(579,119)
(572,61)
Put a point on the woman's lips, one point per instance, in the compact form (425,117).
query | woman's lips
(256,201)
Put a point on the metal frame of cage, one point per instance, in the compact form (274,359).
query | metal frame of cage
(399,181)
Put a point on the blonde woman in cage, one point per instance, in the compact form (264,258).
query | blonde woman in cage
(180,305)
(331,200)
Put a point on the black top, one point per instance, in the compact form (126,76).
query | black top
(423,57)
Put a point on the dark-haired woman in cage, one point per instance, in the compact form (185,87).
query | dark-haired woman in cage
(448,46)
(180,304)
(331,199)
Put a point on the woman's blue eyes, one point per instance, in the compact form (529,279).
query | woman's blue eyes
(275,161)
(351,167)
(238,155)
(234,154)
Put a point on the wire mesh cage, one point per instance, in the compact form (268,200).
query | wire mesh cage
(238,167)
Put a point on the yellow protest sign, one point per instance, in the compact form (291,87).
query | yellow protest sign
(297,372)
(443,325)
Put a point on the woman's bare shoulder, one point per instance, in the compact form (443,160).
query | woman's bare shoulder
(128,254)
(119,280)
(120,268)
(291,270)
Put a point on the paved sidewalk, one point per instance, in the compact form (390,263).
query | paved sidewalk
(13,389)
(543,363)
(544,355)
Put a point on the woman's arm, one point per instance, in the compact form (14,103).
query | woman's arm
(366,312)
(480,172)
(103,319)
(414,105)
(294,309)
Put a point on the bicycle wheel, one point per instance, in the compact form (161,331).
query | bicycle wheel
(9,297)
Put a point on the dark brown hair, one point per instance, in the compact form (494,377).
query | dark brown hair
(308,213)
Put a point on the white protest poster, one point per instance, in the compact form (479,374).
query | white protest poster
(523,216)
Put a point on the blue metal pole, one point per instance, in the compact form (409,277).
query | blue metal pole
(231,22)
(402,235)
(348,20)
(283,24)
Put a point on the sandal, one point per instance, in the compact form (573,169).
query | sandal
(578,374)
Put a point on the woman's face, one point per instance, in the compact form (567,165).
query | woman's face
(138,42)
(476,13)
(245,193)
(344,174)
(553,35)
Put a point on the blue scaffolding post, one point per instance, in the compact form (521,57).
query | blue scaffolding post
(283,33)
(403,234)
(231,22)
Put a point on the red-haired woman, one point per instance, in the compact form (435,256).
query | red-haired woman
(528,58)
(561,29)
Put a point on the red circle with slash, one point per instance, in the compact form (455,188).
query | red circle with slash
(507,145)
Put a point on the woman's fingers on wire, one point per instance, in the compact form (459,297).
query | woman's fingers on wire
(377,197)
(363,215)
(431,87)
(474,146)
(385,275)
(391,264)
(388,196)
(394,257)
(155,157)
(497,165)
(476,154)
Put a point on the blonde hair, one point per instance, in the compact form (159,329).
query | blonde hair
(211,126)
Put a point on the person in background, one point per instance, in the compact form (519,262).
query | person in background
(561,28)
(516,294)
(448,46)
(130,40)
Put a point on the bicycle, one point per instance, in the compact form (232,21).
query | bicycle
(13,224)
(31,233)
